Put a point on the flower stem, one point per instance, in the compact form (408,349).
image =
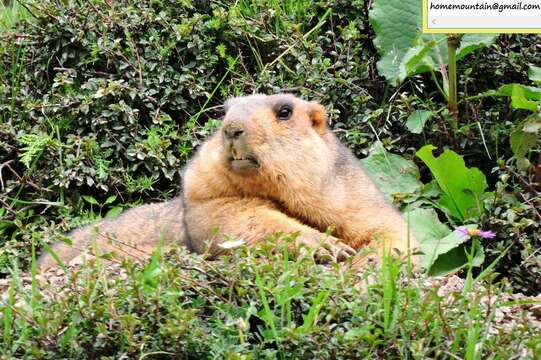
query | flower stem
(453,41)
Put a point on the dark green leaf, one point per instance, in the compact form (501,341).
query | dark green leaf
(521,142)
(417,119)
(392,173)
(456,259)
(90,199)
(463,187)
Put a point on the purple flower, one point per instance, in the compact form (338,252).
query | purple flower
(471,231)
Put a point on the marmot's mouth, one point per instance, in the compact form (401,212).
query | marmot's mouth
(243,164)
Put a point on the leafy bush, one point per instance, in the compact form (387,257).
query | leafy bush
(102,98)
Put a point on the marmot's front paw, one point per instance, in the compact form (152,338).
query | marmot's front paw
(327,249)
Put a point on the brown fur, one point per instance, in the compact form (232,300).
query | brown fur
(259,175)
(135,233)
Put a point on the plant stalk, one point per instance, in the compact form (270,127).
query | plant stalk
(453,41)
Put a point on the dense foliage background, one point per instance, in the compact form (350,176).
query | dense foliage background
(102,102)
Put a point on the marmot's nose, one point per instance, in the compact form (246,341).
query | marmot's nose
(233,132)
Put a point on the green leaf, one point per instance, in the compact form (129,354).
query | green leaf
(90,199)
(397,25)
(463,187)
(448,257)
(55,256)
(534,73)
(443,250)
(417,119)
(521,142)
(428,231)
(431,190)
(149,278)
(35,145)
(426,226)
(310,318)
(472,42)
(110,200)
(392,173)
(114,212)
(519,100)
(529,92)
(416,61)
(456,259)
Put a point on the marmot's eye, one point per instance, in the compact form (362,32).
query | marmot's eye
(285,112)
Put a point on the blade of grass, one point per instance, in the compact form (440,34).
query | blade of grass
(311,318)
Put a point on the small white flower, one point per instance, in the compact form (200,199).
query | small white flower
(231,244)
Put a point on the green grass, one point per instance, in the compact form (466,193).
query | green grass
(284,14)
(11,12)
(257,303)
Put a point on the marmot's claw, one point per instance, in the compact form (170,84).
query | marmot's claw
(323,257)
(334,249)
(342,255)
(324,251)
(348,250)
(340,250)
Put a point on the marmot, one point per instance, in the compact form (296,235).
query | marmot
(273,166)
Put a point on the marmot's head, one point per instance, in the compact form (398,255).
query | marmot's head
(269,133)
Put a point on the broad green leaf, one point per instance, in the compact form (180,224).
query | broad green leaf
(394,174)
(391,173)
(446,253)
(472,42)
(529,92)
(426,226)
(456,259)
(443,249)
(428,231)
(90,199)
(431,189)
(521,142)
(114,212)
(463,187)
(417,119)
(416,61)
(519,101)
(534,73)
(110,200)
(397,25)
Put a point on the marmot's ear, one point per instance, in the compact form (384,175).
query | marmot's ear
(318,117)
(228,103)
